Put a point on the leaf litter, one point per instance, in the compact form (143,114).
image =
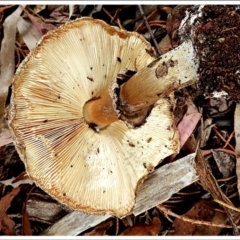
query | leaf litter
(215,161)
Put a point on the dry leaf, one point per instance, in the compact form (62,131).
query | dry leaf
(142,229)
(40,25)
(7,60)
(165,44)
(28,32)
(237,138)
(188,123)
(100,229)
(202,211)
(225,162)
(5,137)
(6,225)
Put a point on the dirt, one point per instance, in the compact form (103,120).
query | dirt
(217,40)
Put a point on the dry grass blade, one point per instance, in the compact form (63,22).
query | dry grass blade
(226,205)
(7,60)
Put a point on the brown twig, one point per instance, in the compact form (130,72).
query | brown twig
(106,11)
(227,151)
(229,139)
(115,16)
(166,211)
(149,29)
(209,151)
(222,138)
(148,17)
(152,24)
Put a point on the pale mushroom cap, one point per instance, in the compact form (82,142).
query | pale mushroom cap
(88,171)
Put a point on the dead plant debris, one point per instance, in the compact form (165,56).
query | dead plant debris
(206,207)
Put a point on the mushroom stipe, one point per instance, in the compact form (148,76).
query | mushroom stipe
(97,171)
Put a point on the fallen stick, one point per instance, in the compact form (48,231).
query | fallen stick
(159,187)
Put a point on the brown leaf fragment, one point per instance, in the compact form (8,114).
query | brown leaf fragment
(142,229)
(6,224)
(203,211)
(225,162)
(100,229)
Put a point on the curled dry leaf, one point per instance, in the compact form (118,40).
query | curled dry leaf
(7,60)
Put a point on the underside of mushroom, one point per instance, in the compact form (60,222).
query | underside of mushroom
(94,167)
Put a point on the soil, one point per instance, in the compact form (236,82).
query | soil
(217,40)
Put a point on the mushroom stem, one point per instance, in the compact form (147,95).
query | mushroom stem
(100,112)
(172,71)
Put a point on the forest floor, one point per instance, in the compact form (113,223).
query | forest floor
(210,205)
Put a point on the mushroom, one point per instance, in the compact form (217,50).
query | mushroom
(94,167)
